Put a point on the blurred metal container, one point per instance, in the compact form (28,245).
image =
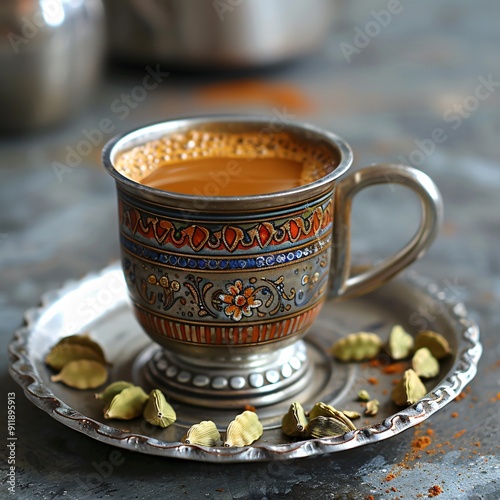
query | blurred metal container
(50,58)
(216,33)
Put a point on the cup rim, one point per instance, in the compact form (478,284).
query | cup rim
(143,134)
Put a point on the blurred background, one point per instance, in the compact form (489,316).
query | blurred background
(402,81)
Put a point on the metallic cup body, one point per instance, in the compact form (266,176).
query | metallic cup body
(226,278)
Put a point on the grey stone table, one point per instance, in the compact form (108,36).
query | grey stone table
(420,87)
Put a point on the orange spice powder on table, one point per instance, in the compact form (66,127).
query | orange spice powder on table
(496,398)
(463,394)
(423,439)
(248,92)
(435,490)
(421,442)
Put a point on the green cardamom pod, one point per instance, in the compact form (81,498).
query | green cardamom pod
(158,411)
(82,374)
(244,430)
(409,390)
(372,407)
(323,410)
(295,421)
(351,414)
(435,342)
(127,404)
(400,344)
(363,395)
(320,427)
(62,354)
(424,363)
(357,347)
(112,390)
(204,434)
(84,340)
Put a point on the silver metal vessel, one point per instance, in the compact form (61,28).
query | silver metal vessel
(218,33)
(50,59)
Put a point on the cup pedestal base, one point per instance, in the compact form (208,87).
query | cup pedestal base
(256,381)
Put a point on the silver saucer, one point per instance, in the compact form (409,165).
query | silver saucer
(99,304)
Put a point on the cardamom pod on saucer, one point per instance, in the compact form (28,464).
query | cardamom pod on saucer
(62,354)
(400,344)
(112,390)
(372,407)
(158,411)
(204,434)
(82,374)
(424,363)
(357,347)
(363,395)
(434,341)
(409,390)
(323,410)
(244,430)
(295,421)
(84,340)
(320,427)
(127,404)
(351,414)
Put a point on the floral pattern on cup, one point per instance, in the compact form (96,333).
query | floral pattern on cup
(240,300)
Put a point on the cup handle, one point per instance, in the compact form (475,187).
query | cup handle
(344,285)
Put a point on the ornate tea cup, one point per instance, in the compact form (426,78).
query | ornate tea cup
(227,285)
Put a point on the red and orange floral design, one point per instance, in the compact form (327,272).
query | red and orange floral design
(240,300)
